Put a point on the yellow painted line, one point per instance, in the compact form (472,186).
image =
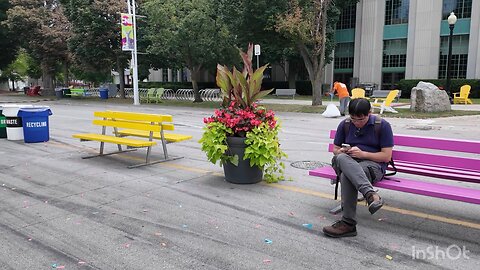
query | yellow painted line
(432,217)
(185,168)
(304,191)
(386,207)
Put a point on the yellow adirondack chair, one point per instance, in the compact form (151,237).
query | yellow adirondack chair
(358,93)
(462,96)
(386,104)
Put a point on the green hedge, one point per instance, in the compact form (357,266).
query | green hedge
(407,85)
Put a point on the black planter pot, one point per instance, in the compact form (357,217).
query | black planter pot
(243,173)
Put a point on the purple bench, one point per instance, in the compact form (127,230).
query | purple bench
(446,165)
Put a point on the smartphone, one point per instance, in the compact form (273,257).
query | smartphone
(346,146)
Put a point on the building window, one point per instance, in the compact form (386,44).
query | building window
(391,79)
(394,53)
(396,11)
(344,53)
(461,8)
(347,17)
(459,57)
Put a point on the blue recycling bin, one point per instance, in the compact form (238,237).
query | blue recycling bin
(103,93)
(35,124)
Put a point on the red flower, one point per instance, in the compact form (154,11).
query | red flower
(242,120)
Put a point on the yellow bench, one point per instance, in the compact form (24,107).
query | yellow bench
(147,123)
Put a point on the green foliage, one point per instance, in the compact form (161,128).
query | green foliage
(263,150)
(8,42)
(189,33)
(18,69)
(407,85)
(95,42)
(214,142)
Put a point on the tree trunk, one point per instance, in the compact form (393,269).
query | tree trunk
(121,75)
(292,76)
(47,78)
(314,74)
(66,75)
(317,90)
(13,85)
(196,91)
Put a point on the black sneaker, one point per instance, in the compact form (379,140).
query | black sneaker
(340,229)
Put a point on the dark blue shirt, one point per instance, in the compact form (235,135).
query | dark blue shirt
(365,137)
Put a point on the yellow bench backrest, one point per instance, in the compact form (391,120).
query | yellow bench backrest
(138,121)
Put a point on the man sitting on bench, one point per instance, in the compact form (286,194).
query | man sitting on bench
(361,153)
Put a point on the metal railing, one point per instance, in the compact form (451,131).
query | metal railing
(209,94)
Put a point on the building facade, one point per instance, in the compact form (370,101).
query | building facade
(384,41)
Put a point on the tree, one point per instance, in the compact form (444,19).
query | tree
(43,30)
(254,21)
(8,43)
(188,34)
(311,24)
(96,38)
(17,70)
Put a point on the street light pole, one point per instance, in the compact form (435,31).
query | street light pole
(452,19)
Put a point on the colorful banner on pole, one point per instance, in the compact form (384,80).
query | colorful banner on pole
(127,32)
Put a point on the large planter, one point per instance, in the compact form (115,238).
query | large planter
(243,173)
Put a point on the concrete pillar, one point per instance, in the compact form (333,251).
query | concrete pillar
(169,74)
(370,41)
(423,45)
(473,64)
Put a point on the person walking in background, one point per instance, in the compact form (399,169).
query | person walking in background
(341,90)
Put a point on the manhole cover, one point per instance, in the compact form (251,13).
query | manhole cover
(308,164)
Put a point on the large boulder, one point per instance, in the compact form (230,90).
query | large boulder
(426,97)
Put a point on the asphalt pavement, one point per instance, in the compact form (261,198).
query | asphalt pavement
(59,211)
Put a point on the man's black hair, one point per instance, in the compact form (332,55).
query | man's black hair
(359,106)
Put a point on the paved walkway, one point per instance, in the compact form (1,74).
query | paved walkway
(58,210)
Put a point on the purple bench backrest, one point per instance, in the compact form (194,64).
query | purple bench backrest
(464,146)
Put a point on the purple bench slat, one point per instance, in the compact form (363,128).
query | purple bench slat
(463,146)
(408,164)
(415,187)
(439,172)
(459,163)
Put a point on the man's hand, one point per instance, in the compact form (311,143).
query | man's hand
(355,152)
